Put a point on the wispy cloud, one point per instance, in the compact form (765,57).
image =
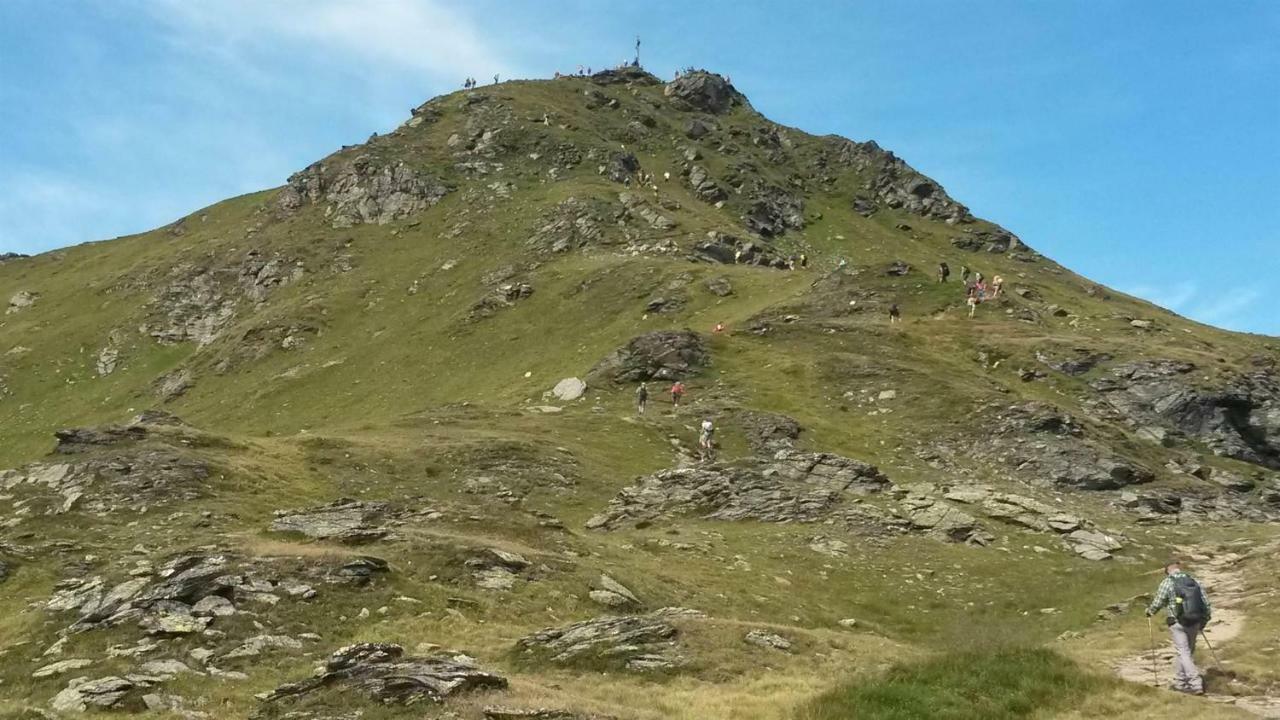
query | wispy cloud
(420,35)
(1232,307)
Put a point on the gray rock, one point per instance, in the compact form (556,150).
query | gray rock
(719,286)
(768,640)
(258,643)
(384,674)
(569,389)
(702,91)
(345,520)
(731,250)
(1092,545)
(611,593)
(773,211)
(165,668)
(362,190)
(636,642)
(213,606)
(61,667)
(659,355)
(84,693)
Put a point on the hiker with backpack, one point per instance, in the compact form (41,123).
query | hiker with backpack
(642,398)
(895,314)
(1188,612)
(944,272)
(677,392)
(706,441)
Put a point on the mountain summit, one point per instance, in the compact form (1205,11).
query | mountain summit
(387,418)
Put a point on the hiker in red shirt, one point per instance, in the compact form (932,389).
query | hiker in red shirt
(677,392)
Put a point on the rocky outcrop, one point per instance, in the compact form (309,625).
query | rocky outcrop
(362,190)
(633,642)
(791,487)
(731,250)
(702,91)
(773,212)
(704,187)
(1047,447)
(83,693)
(344,520)
(569,225)
(897,185)
(622,168)
(659,355)
(383,673)
(1238,419)
(943,521)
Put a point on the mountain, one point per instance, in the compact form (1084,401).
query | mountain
(383,419)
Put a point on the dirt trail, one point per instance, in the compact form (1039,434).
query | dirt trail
(1220,575)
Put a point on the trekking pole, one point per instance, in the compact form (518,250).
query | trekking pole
(1151,632)
(1211,650)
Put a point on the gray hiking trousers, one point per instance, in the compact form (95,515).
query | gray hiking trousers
(1186,676)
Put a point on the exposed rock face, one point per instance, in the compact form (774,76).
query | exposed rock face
(382,672)
(1081,361)
(773,212)
(636,642)
(944,521)
(196,302)
(611,593)
(1092,545)
(363,191)
(345,520)
(1047,447)
(570,225)
(702,91)
(569,389)
(898,186)
(730,250)
(1240,420)
(637,208)
(659,355)
(705,187)
(792,487)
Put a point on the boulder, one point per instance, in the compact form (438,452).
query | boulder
(720,286)
(658,355)
(62,667)
(611,593)
(1091,545)
(384,674)
(702,91)
(569,389)
(731,250)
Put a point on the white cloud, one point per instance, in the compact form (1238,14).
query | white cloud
(1231,307)
(418,35)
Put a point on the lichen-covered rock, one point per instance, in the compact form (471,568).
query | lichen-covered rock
(383,673)
(20,301)
(82,694)
(362,190)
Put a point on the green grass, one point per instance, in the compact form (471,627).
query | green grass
(995,684)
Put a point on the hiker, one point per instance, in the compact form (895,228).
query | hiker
(944,272)
(997,282)
(964,274)
(642,398)
(677,392)
(1189,611)
(895,314)
(804,260)
(719,328)
(980,288)
(973,303)
(495,78)
(706,441)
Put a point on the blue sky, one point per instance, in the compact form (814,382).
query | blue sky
(1136,142)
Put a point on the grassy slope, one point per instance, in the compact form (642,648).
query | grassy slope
(378,389)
